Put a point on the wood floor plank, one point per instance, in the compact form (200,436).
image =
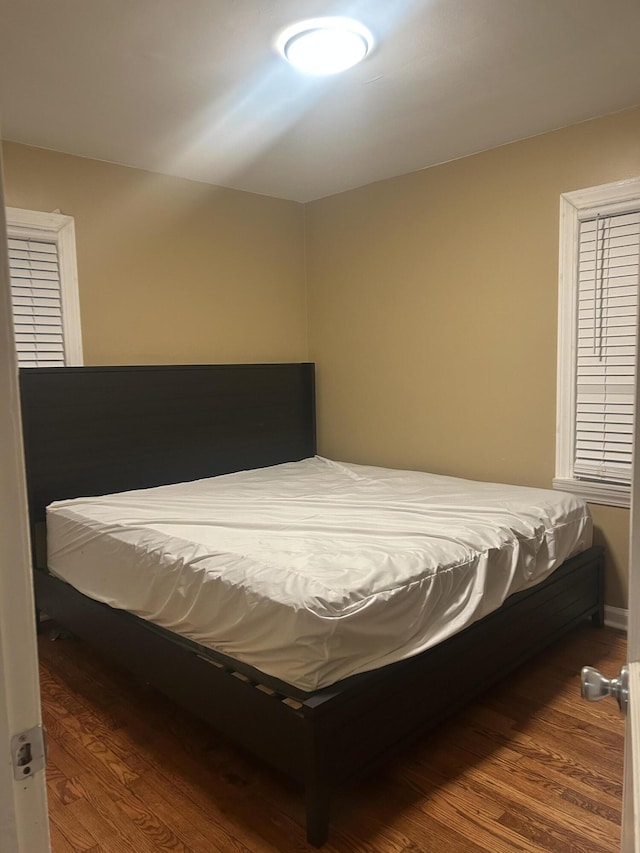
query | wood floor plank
(525,800)
(112,840)
(539,753)
(231,797)
(77,836)
(101,760)
(130,818)
(460,806)
(541,787)
(480,739)
(526,769)
(65,762)
(185,818)
(59,843)
(60,786)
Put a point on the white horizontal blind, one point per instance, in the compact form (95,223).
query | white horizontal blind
(37,302)
(608,285)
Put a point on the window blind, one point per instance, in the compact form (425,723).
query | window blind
(37,303)
(608,285)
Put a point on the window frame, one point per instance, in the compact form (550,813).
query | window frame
(607,199)
(25,224)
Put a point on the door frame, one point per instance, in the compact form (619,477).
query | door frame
(631,781)
(24,825)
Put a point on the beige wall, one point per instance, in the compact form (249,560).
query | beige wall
(433,312)
(172,270)
(432,298)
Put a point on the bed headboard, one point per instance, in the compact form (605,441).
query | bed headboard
(96,430)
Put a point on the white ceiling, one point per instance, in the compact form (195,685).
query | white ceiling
(194,87)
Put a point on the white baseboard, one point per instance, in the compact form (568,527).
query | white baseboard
(616,617)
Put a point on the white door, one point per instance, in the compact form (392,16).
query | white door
(626,687)
(24,824)
(631,807)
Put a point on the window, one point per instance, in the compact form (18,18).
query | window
(44,288)
(597,341)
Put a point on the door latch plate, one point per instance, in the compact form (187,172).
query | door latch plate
(28,753)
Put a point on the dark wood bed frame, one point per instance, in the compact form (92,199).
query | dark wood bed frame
(90,431)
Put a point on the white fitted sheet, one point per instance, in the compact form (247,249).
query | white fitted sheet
(315,570)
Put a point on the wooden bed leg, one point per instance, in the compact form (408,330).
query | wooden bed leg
(317,814)
(597,618)
(317,787)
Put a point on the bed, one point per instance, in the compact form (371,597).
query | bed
(136,432)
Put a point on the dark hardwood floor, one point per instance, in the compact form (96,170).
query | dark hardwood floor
(528,767)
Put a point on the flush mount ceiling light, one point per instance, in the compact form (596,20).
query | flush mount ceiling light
(325,45)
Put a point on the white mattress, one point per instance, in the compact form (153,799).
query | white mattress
(315,570)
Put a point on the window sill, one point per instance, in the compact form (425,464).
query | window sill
(595,493)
